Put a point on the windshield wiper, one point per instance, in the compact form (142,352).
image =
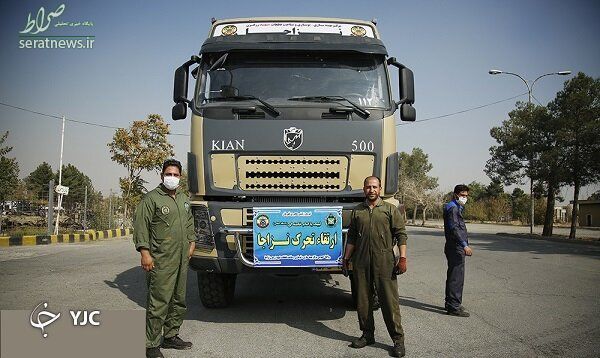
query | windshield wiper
(266,105)
(358,109)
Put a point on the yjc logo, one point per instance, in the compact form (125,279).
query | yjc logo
(45,318)
(41,324)
(85,318)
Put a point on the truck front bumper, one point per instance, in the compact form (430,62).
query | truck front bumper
(210,262)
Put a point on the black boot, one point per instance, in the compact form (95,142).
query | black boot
(154,353)
(363,341)
(398,349)
(176,343)
(459,312)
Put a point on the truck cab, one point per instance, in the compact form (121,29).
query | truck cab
(285,113)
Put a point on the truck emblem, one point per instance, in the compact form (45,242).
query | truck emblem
(331,220)
(262,221)
(292,138)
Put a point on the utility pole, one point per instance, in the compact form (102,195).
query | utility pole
(85,210)
(110,210)
(50,214)
(60,195)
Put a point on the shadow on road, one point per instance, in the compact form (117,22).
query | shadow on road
(406,301)
(132,283)
(494,242)
(302,302)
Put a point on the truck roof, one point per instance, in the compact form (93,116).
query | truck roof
(320,22)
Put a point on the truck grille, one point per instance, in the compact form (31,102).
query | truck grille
(247,244)
(292,173)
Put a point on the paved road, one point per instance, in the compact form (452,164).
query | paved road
(581,232)
(527,298)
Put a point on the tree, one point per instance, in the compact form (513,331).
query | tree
(141,147)
(433,198)
(527,148)
(497,208)
(477,191)
(577,110)
(77,182)
(37,181)
(183,181)
(519,202)
(413,179)
(494,189)
(9,171)
(594,196)
(475,210)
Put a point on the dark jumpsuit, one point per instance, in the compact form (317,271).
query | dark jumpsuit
(455,231)
(373,233)
(165,226)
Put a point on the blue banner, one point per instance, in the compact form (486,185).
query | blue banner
(298,237)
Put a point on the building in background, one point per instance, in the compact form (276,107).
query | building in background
(589,213)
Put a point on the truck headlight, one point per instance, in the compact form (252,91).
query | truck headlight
(202,227)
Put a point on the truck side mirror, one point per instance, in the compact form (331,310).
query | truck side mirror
(407,112)
(180,89)
(180,85)
(407,91)
(407,86)
(179,111)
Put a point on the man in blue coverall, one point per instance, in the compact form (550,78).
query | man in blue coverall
(456,248)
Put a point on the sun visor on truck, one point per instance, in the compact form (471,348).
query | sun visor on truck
(301,42)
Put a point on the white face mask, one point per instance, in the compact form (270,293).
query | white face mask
(171,182)
(462,200)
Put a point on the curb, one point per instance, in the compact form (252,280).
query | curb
(426,226)
(30,240)
(595,242)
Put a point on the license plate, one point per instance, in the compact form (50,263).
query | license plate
(297,236)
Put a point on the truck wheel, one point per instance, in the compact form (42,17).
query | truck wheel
(216,289)
(352,290)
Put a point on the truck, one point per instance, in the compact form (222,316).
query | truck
(286,112)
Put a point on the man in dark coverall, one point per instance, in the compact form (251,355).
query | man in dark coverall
(456,248)
(164,236)
(375,228)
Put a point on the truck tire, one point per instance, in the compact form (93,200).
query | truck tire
(352,290)
(216,289)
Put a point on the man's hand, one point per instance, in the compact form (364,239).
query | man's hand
(191,249)
(147,260)
(400,266)
(345,266)
(468,251)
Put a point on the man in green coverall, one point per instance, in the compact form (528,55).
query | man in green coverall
(375,228)
(164,236)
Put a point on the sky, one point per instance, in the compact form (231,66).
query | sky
(128,74)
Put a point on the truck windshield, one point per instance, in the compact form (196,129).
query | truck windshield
(276,77)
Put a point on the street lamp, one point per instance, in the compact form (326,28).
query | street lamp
(529,90)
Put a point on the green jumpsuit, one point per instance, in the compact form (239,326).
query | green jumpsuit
(165,226)
(373,233)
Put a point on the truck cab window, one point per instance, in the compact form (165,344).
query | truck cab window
(277,76)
